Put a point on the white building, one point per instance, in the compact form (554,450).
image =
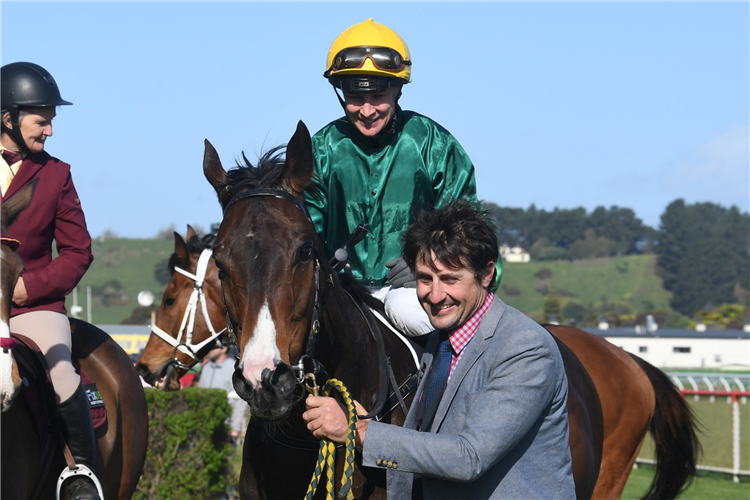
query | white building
(514,254)
(667,348)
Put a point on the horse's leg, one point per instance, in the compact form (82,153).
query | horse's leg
(627,399)
(123,445)
(249,488)
(20,452)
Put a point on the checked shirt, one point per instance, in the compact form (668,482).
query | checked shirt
(461,337)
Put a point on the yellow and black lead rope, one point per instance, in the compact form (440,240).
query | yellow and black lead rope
(327,455)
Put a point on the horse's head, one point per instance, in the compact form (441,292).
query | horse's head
(11,266)
(267,254)
(191,316)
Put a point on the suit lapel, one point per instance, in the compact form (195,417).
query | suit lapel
(471,355)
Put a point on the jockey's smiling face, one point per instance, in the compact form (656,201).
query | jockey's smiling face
(371,111)
(451,296)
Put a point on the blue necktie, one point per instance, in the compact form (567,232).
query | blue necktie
(441,367)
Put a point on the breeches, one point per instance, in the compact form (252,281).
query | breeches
(404,310)
(51,331)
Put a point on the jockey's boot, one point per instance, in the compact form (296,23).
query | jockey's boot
(78,431)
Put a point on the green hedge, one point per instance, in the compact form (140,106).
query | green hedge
(188,446)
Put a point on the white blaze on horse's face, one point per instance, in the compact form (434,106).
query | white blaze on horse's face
(261,351)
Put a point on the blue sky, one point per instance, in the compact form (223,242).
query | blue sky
(558,104)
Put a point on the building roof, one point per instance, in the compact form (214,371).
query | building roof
(671,333)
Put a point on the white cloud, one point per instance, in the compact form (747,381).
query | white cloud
(718,171)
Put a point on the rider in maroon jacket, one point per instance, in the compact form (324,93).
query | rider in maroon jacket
(29,100)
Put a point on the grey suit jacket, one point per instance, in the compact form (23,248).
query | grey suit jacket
(501,430)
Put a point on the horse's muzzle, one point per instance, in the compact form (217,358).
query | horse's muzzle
(275,396)
(164,378)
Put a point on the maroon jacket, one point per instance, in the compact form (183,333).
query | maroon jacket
(54,214)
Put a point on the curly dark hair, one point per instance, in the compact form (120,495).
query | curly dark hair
(461,234)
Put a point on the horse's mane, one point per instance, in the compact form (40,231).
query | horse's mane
(196,244)
(268,173)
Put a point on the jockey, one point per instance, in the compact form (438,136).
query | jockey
(29,100)
(379,165)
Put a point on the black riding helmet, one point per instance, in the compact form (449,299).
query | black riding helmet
(25,84)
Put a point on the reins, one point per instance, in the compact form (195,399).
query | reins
(327,454)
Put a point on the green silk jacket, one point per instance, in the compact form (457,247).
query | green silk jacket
(383,182)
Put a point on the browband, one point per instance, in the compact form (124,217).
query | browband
(277,193)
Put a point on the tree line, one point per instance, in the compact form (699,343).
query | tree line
(702,250)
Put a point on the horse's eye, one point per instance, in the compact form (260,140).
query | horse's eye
(305,253)
(169,302)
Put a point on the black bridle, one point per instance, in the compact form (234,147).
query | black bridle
(309,371)
(307,365)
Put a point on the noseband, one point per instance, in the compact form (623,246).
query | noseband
(188,319)
(307,364)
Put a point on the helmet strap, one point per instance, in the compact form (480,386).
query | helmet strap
(341,99)
(15,132)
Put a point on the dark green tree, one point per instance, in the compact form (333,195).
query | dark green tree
(702,254)
(620,226)
(591,246)
(550,235)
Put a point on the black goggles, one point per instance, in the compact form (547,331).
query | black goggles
(383,58)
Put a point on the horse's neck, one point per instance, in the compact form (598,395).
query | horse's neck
(350,352)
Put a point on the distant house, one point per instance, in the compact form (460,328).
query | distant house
(514,254)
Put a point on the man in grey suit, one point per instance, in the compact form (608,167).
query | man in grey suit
(489,419)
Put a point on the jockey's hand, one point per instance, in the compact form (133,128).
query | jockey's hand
(400,275)
(326,417)
(19,293)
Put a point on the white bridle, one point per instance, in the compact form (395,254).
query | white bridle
(188,319)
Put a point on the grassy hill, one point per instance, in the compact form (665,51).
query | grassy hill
(631,282)
(121,269)
(124,267)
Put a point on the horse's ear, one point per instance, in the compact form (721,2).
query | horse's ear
(180,248)
(190,233)
(299,160)
(212,169)
(13,206)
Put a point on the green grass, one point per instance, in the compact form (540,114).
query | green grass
(706,486)
(131,262)
(631,280)
(716,433)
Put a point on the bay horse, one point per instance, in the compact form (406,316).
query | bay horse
(636,398)
(190,320)
(629,400)
(121,440)
(290,314)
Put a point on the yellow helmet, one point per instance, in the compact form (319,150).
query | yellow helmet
(371,53)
